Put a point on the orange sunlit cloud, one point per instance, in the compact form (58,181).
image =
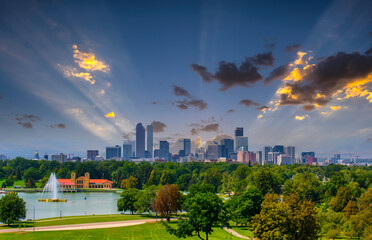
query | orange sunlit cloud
(88,61)
(302,117)
(335,108)
(110,115)
(73,72)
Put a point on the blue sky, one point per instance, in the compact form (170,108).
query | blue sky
(64,65)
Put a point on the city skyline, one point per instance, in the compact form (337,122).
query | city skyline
(78,76)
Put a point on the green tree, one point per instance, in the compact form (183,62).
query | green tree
(128,199)
(229,183)
(131,182)
(30,183)
(343,196)
(146,200)
(12,208)
(43,181)
(183,181)
(201,188)
(152,178)
(168,201)
(204,210)
(267,181)
(212,176)
(351,209)
(305,185)
(32,173)
(242,207)
(9,181)
(164,179)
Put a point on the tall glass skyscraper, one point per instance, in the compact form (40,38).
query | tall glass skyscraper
(187,146)
(150,140)
(140,141)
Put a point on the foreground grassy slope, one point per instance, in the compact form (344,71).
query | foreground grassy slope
(143,231)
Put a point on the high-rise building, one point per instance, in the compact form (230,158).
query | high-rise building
(164,150)
(212,151)
(239,132)
(150,140)
(140,141)
(290,151)
(273,157)
(227,147)
(265,153)
(92,154)
(113,152)
(306,156)
(60,158)
(200,153)
(279,149)
(187,146)
(36,157)
(156,153)
(241,144)
(127,151)
(284,159)
(46,157)
(259,157)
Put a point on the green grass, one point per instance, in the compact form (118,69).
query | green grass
(143,231)
(78,220)
(243,231)
(20,183)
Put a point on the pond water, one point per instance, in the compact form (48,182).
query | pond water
(95,203)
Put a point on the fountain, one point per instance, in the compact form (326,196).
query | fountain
(52,191)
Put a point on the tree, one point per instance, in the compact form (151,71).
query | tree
(9,181)
(305,185)
(242,207)
(201,188)
(30,183)
(152,178)
(267,181)
(204,210)
(43,181)
(146,199)
(164,179)
(32,173)
(12,208)
(343,196)
(131,182)
(351,209)
(3,185)
(183,181)
(168,200)
(288,219)
(212,176)
(229,183)
(128,199)
(333,233)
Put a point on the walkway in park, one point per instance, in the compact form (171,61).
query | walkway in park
(235,233)
(81,226)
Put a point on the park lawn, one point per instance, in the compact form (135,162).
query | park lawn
(143,231)
(79,219)
(243,231)
(20,183)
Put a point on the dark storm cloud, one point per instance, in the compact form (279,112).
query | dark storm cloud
(158,126)
(58,125)
(308,107)
(25,120)
(277,73)
(263,108)
(197,103)
(369,51)
(203,72)
(327,77)
(263,59)
(179,91)
(293,48)
(205,128)
(248,103)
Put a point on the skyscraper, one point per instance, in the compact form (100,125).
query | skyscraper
(127,151)
(278,148)
(265,153)
(36,157)
(241,143)
(113,152)
(290,151)
(187,146)
(91,154)
(140,141)
(150,130)
(239,132)
(164,150)
(227,147)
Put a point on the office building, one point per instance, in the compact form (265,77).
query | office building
(273,157)
(305,156)
(212,151)
(283,159)
(265,153)
(46,157)
(60,158)
(92,154)
(36,157)
(156,153)
(279,149)
(164,150)
(239,132)
(259,157)
(200,153)
(113,152)
(127,151)
(150,140)
(140,141)
(241,143)
(227,147)
(187,146)
(290,151)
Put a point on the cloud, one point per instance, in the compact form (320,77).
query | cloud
(248,103)
(230,74)
(110,115)
(179,91)
(259,116)
(197,103)
(154,103)
(128,135)
(218,138)
(213,127)
(302,117)
(71,72)
(335,108)
(344,75)
(263,108)
(293,48)
(158,126)
(277,73)
(58,125)
(88,61)
(25,120)
(230,111)
(197,142)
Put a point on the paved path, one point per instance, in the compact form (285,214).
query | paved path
(81,226)
(235,233)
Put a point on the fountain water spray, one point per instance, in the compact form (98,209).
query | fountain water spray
(52,191)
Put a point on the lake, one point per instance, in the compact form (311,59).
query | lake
(95,203)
